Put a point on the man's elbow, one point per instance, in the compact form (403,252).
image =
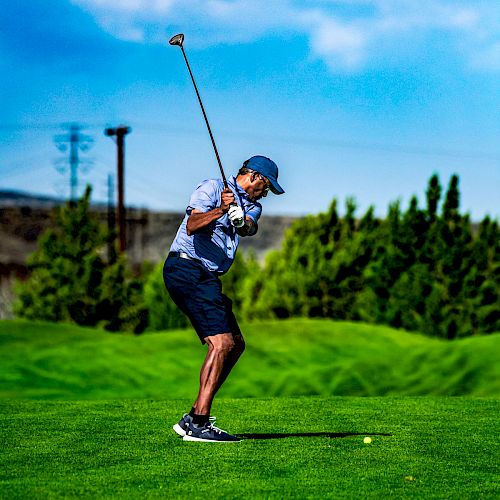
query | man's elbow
(249,229)
(193,228)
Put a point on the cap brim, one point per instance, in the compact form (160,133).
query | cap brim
(275,187)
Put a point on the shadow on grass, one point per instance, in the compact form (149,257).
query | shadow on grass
(331,435)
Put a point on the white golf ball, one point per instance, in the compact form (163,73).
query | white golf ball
(367,440)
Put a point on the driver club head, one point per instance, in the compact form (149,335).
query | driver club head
(177,40)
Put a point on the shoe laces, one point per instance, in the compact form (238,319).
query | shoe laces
(211,426)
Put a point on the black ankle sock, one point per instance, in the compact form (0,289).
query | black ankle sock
(200,420)
(192,412)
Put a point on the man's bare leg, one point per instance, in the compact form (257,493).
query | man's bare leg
(224,351)
(234,355)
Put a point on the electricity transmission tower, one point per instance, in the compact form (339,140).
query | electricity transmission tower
(73,142)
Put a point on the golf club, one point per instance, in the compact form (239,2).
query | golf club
(179,40)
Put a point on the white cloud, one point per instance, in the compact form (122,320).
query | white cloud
(488,58)
(132,6)
(396,20)
(346,34)
(337,43)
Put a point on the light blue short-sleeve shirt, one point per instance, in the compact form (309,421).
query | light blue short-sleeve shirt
(215,245)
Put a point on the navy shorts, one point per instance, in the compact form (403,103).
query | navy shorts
(197,292)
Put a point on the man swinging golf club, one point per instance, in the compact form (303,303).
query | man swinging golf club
(218,214)
(203,249)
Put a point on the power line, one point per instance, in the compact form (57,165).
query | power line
(27,164)
(336,143)
(175,130)
(44,126)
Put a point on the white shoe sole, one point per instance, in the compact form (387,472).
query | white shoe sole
(200,440)
(177,428)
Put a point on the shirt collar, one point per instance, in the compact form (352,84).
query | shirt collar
(232,182)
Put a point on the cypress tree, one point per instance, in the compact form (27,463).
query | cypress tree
(452,200)
(433,195)
(421,269)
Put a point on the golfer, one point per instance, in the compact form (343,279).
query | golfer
(203,249)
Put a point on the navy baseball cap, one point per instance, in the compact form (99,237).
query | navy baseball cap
(268,169)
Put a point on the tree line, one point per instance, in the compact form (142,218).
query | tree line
(425,269)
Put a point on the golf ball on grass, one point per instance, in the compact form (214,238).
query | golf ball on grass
(367,440)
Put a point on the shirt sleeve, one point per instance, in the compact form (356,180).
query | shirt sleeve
(254,212)
(205,197)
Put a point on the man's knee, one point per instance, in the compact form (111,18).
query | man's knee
(222,343)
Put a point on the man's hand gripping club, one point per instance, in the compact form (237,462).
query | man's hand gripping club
(199,220)
(234,212)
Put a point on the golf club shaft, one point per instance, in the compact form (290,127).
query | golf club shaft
(206,120)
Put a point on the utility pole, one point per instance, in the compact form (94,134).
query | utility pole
(119,133)
(77,142)
(111,221)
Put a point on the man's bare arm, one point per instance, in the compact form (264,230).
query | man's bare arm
(199,220)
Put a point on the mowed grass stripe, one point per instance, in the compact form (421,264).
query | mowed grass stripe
(291,358)
(423,447)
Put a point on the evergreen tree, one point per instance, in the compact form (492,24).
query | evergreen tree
(319,271)
(452,201)
(433,195)
(383,270)
(486,279)
(249,290)
(424,270)
(70,280)
(233,279)
(163,314)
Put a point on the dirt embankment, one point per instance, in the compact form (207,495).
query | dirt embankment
(149,235)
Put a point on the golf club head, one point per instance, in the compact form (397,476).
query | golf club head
(177,40)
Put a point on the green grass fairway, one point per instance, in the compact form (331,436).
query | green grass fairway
(70,425)
(287,358)
(310,447)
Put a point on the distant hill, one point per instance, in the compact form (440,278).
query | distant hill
(13,198)
(24,216)
(24,199)
(299,357)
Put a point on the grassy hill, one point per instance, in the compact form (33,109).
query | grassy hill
(287,358)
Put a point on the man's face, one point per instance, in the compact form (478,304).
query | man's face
(258,186)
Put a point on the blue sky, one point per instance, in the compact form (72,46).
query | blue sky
(361,98)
